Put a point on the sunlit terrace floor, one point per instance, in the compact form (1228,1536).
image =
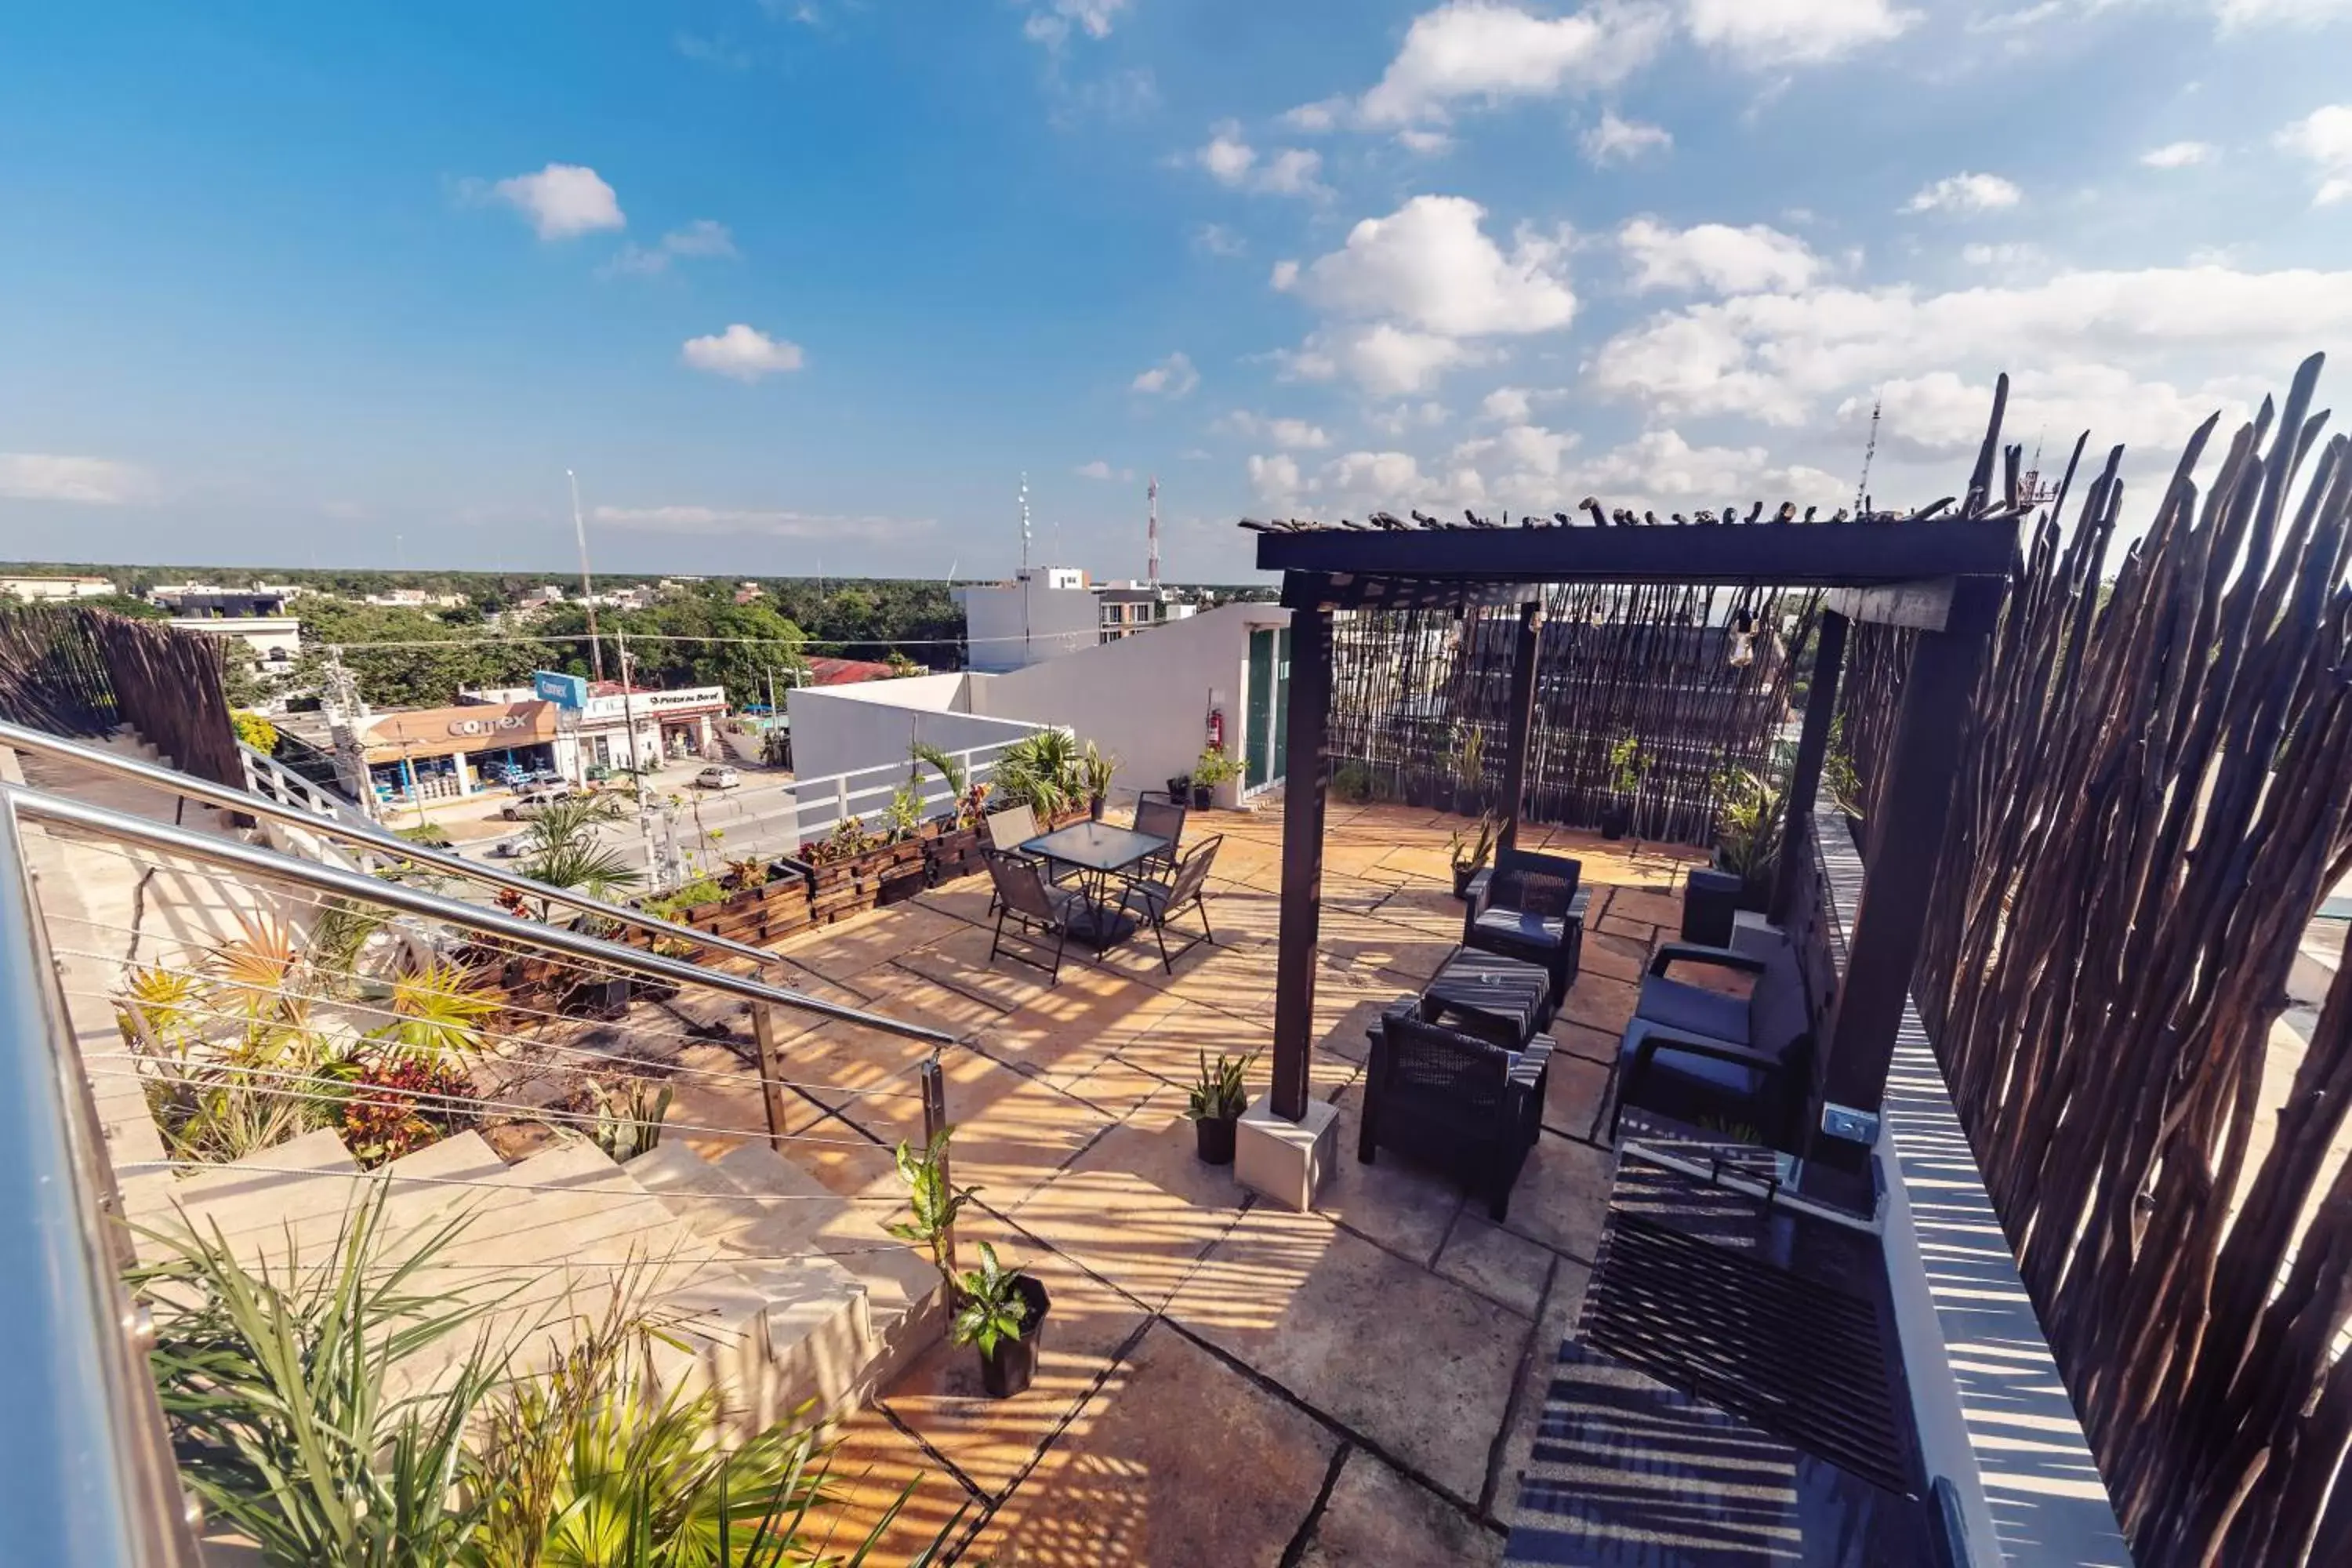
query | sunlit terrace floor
(1223,1381)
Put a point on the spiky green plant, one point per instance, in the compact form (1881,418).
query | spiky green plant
(951,773)
(990,1306)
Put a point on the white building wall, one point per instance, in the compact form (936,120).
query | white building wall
(1012,625)
(1146,699)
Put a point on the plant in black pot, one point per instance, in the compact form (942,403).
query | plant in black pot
(1469,768)
(1097,768)
(1001,1312)
(1748,843)
(1627,766)
(1209,769)
(1216,1105)
(1470,851)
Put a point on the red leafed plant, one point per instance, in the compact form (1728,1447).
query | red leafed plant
(399,1103)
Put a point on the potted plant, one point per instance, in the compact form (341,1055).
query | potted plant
(1002,1312)
(1627,764)
(1470,853)
(1180,788)
(1469,769)
(1747,845)
(1209,769)
(999,1311)
(1215,1106)
(1096,769)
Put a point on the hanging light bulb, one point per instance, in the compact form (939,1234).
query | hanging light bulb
(1743,640)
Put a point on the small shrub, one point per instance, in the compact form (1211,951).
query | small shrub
(400,1104)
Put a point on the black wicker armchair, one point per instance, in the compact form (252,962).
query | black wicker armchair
(1454,1100)
(1530,906)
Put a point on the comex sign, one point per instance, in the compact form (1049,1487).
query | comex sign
(496,724)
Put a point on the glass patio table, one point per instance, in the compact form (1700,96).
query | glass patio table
(1097,851)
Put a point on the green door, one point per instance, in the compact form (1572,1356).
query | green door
(1281,704)
(1258,743)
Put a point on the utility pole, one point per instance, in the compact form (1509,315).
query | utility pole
(1862,491)
(1153,531)
(587,591)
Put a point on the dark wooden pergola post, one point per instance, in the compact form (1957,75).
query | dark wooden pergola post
(1307,774)
(1905,835)
(1523,721)
(1812,749)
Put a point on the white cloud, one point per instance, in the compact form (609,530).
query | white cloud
(1508,403)
(1234,163)
(2325,137)
(1172,377)
(1615,141)
(1379,479)
(1052,24)
(1716,257)
(1403,418)
(87,481)
(742,352)
(2018,253)
(1276,480)
(1939,417)
(1284,275)
(1316,117)
(704,237)
(775,524)
(2181,155)
(1773,356)
(1429,264)
(1427,144)
(1291,435)
(562,201)
(1762,34)
(1476,49)
(1216,239)
(1659,464)
(1964,192)
(1098,469)
(1386,359)
(2235,14)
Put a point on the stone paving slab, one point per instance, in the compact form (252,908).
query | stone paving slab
(1418,1364)
(1183,1461)
(1376,1518)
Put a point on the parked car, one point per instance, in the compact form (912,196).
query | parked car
(533,801)
(546,776)
(718,775)
(507,774)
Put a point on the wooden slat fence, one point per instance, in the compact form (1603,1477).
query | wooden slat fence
(73,671)
(2156,797)
(1652,664)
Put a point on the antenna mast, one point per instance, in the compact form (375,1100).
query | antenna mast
(1862,491)
(1025,525)
(1152,530)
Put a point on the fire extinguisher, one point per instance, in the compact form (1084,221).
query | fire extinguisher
(1216,729)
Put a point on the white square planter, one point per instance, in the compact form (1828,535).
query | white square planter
(1282,1160)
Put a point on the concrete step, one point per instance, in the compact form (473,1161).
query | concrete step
(821,1336)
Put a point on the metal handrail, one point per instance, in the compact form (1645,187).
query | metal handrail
(86,1478)
(367,835)
(23,801)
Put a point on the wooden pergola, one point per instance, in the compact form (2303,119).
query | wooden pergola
(1942,575)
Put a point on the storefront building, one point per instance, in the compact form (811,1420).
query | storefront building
(647,728)
(440,753)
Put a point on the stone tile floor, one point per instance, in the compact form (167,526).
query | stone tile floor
(1223,1381)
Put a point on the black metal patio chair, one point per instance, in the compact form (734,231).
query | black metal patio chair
(1698,1055)
(1158,900)
(1035,909)
(1161,818)
(1465,1104)
(1530,906)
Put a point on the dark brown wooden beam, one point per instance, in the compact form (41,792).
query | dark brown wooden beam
(1920,607)
(1904,835)
(1307,774)
(1793,554)
(1812,749)
(1523,721)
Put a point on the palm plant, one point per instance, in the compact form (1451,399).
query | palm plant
(1040,769)
(561,849)
(273,1386)
(437,1010)
(950,771)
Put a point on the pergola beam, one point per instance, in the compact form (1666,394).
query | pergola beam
(1812,749)
(1790,555)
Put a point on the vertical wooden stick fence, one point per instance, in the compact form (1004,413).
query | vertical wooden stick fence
(2156,798)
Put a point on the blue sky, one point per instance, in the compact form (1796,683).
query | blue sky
(808,286)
